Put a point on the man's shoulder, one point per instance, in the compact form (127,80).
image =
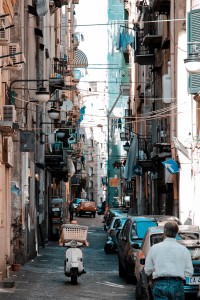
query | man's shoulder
(158,245)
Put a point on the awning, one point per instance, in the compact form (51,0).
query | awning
(80,59)
(131,158)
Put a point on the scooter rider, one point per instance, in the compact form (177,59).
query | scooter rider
(73,237)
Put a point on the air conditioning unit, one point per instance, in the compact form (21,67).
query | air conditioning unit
(4,32)
(9,113)
(166,83)
(125,89)
(14,48)
(14,61)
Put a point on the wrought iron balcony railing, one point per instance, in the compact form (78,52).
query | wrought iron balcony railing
(162,6)
(144,54)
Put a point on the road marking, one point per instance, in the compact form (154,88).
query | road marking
(111,284)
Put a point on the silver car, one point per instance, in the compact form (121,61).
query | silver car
(188,236)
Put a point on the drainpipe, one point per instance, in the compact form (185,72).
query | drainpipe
(173,118)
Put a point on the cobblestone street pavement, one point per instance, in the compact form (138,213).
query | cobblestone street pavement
(43,277)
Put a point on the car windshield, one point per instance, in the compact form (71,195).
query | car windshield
(187,236)
(157,238)
(141,228)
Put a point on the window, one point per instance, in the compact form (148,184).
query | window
(90,184)
(91,143)
(91,171)
(193,28)
(93,86)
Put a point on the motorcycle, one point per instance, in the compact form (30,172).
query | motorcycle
(73,264)
(109,246)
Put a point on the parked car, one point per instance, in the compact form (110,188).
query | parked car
(190,237)
(86,208)
(111,213)
(113,233)
(129,242)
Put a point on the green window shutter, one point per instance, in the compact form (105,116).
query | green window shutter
(193,36)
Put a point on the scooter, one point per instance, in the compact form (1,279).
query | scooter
(73,264)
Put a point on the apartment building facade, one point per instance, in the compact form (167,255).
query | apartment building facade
(39,114)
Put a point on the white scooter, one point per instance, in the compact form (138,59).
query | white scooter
(73,264)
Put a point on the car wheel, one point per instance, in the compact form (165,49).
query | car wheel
(121,269)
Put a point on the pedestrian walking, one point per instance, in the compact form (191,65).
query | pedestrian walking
(168,263)
(71,211)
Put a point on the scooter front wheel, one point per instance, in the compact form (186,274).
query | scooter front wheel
(74,276)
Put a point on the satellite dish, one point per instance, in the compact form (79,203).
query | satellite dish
(67,105)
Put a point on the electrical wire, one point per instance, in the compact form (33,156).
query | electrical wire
(147,116)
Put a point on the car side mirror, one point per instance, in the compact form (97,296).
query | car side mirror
(135,246)
(142,261)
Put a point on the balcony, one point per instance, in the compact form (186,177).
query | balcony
(144,152)
(58,71)
(60,3)
(160,150)
(153,31)
(55,161)
(144,54)
(162,6)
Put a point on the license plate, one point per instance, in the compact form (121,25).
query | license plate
(195,280)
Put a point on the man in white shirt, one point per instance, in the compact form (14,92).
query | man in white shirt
(169,263)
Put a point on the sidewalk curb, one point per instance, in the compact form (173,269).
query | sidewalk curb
(7,283)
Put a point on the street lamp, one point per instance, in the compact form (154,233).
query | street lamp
(53,113)
(126,146)
(42,95)
(192,63)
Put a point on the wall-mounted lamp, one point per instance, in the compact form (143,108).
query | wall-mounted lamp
(126,146)
(42,95)
(53,113)
(60,133)
(192,63)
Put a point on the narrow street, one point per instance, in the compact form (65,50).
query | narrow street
(43,278)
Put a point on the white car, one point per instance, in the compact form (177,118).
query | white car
(189,236)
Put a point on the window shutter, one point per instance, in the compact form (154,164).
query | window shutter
(193,36)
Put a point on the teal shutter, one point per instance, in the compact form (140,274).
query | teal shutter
(193,36)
